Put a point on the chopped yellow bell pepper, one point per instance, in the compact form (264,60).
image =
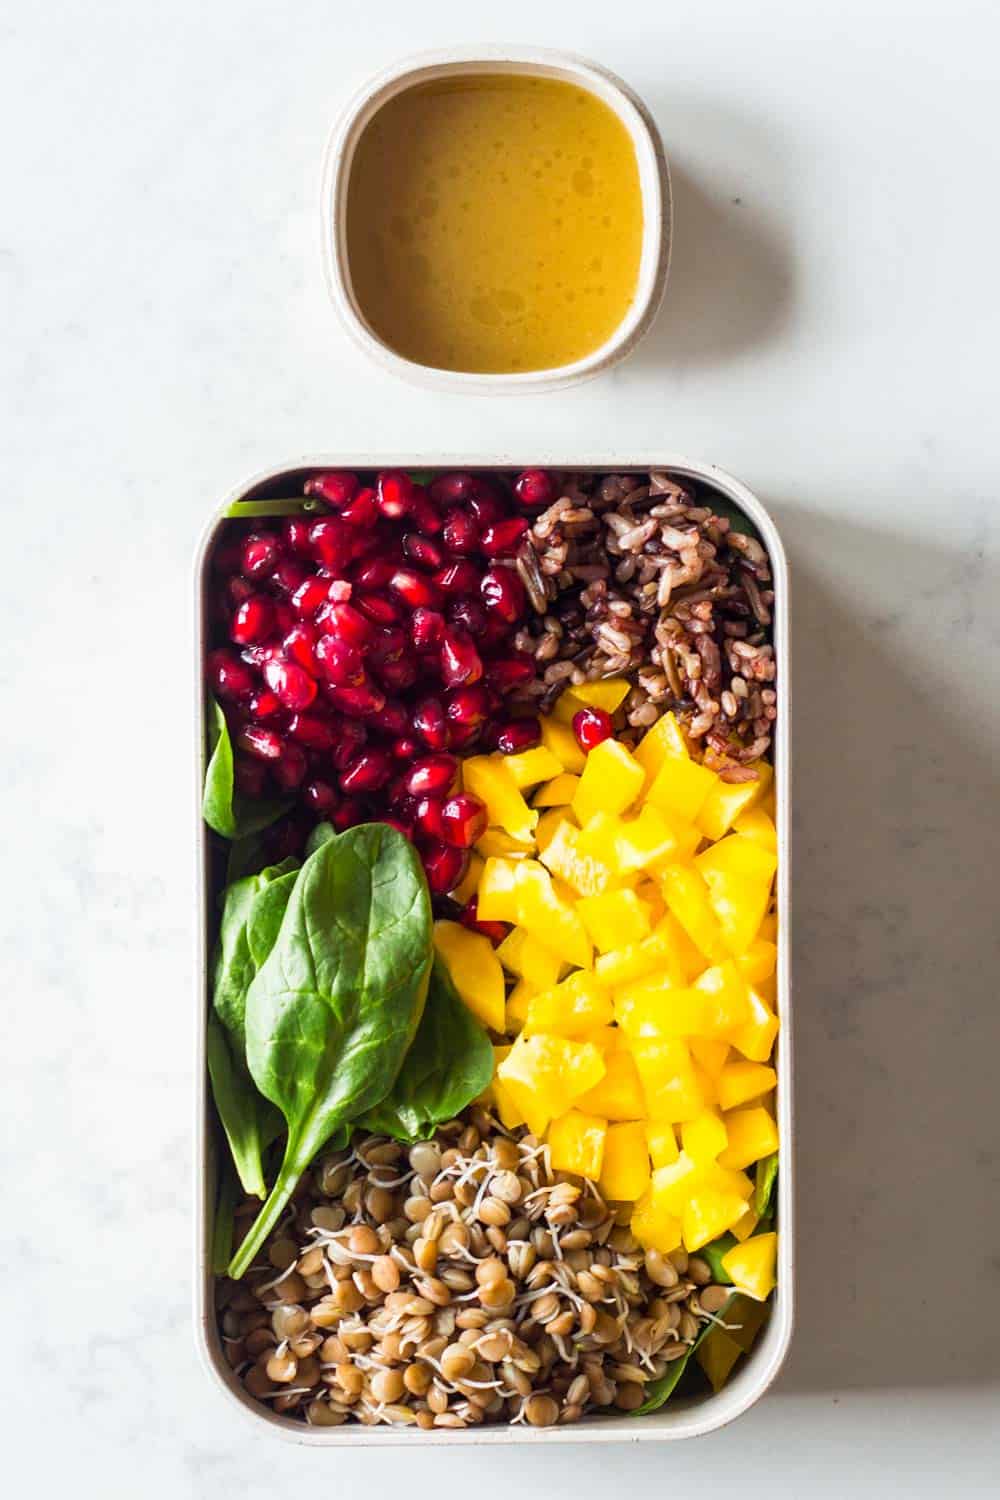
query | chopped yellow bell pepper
(707,1214)
(758,825)
(467,886)
(739,904)
(572,1008)
(559,792)
(709,1053)
(752,1134)
(748,1316)
(668,1078)
(585,872)
(769,928)
(609,693)
(614,917)
(717,1354)
(629,844)
(560,739)
(545,1075)
(516,1009)
(661,1139)
(553,921)
(496,897)
(687,897)
(728,801)
(758,962)
(530,767)
(741,1081)
(475,971)
(611,781)
(487,777)
(752,1265)
(744,1226)
(755,1038)
(525,956)
(618,1095)
(681,787)
(650,1008)
(496,844)
(727,999)
(577,1144)
(704,1137)
(665,741)
(549,824)
(625,1172)
(736,855)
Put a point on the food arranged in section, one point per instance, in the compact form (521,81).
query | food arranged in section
(494,998)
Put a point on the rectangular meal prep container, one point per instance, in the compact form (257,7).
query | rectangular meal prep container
(680,1418)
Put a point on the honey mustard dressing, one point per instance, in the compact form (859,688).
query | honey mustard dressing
(494,223)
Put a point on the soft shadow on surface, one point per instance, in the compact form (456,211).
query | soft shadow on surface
(895,963)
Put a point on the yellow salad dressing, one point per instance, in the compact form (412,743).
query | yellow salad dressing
(494,223)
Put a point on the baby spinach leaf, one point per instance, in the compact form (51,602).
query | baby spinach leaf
(222,1225)
(321,834)
(765,1179)
(224,808)
(245,857)
(449,1064)
(713,1253)
(266,913)
(333,1010)
(237,1103)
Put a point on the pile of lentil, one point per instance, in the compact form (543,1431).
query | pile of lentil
(638,574)
(456,1282)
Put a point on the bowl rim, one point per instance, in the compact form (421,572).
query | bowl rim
(655,186)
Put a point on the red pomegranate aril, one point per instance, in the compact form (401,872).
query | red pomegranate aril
(366,772)
(351,736)
(464,820)
(374,573)
(469,917)
(363,509)
(249,776)
(362,700)
(391,719)
(424,514)
(413,589)
(228,676)
(507,672)
(431,775)
(320,797)
(427,818)
(422,551)
(309,597)
(378,608)
(239,589)
(426,628)
(431,724)
(592,726)
(345,622)
(339,591)
(460,661)
(398,675)
(387,644)
(256,656)
(349,814)
(290,769)
(460,532)
(484,501)
(394,492)
(461,736)
(447,488)
(467,706)
(468,613)
(295,536)
(460,577)
(312,731)
(265,705)
(260,554)
(300,644)
(535,488)
(503,594)
(516,735)
(340,663)
(265,744)
(288,574)
(330,541)
(253,621)
(502,537)
(292,683)
(445,867)
(405,748)
(337,487)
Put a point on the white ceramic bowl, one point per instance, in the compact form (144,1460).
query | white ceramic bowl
(654,182)
(678,1419)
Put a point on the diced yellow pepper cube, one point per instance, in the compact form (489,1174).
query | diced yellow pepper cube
(717,1354)
(728,801)
(468,885)
(707,1214)
(549,824)
(668,1078)
(709,1053)
(727,999)
(618,1095)
(736,855)
(586,873)
(545,1075)
(609,693)
(475,971)
(560,739)
(525,956)
(487,777)
(739,904)
(752,1265)
(758,825)
(625,1172)
(769,928)
(572,1008)
(507,1110)
(488,1096)
(755,1039)
(704,1137)
(511,951)
(665,741)
(495,843)
(529,767)
(614,917)
(741,1081)
(496,896)
(650,1008)
(559,792)
(629,844)
(516,1009)
(653,1227)
(758,962)
(662,1142)
(688,898)
(681,787)
(744,1226)
(752,1134)
(547,917)
(577,1143)
(707,1084)
(748,1316)
(611,781)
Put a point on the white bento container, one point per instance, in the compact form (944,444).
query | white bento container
(654,182)
(679,1418)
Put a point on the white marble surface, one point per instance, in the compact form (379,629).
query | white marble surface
(829,335)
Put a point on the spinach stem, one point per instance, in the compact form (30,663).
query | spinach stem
(296,505)
(269,1215)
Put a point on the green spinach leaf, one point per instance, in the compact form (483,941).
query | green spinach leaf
(449,1065)
(334,1008)
(224,808)
(321,834)
(245,857)
(765,1179)
(295,505)
(713,1253)
(238,1106)
(266,913)
(222,1225)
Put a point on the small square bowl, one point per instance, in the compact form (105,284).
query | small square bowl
(654,184)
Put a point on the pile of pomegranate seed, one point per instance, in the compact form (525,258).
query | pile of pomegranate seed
(366,645)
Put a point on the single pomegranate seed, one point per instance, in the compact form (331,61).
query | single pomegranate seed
(238,589)
(427,818)
(494,633)
(340,663)
(309,597)
(447,488)
(467,707)
(374,573)
(288,574)
(336,487)
(387,644)
(506,672)
(424,514)
(460,532)
(503,594)
(349,814)
(290,770)
(265,744)
(485,502)
(460,577)
(426,628)
(345,622)
(367,772)
(256,656)
(320,797)
(249,776)
(351,736)
(330,541)
(253,621)
(433,774)
(363,700)
(517,735)
(228,677)
(430,723)
(501,538)
(461,736)
(363,509)
(260,554)
(394,493)
(265,705)
(313,732)
(460,661)
(469,917)
(464,820)
(295,536)
(534,488)
(405,748)
(398,675)
(285,618)
(378,608)
(300,645)
(339,591)
(413,589)
(445,867)
(422,551)
(592,726)
(391,719)
(468,613)
(292,683)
